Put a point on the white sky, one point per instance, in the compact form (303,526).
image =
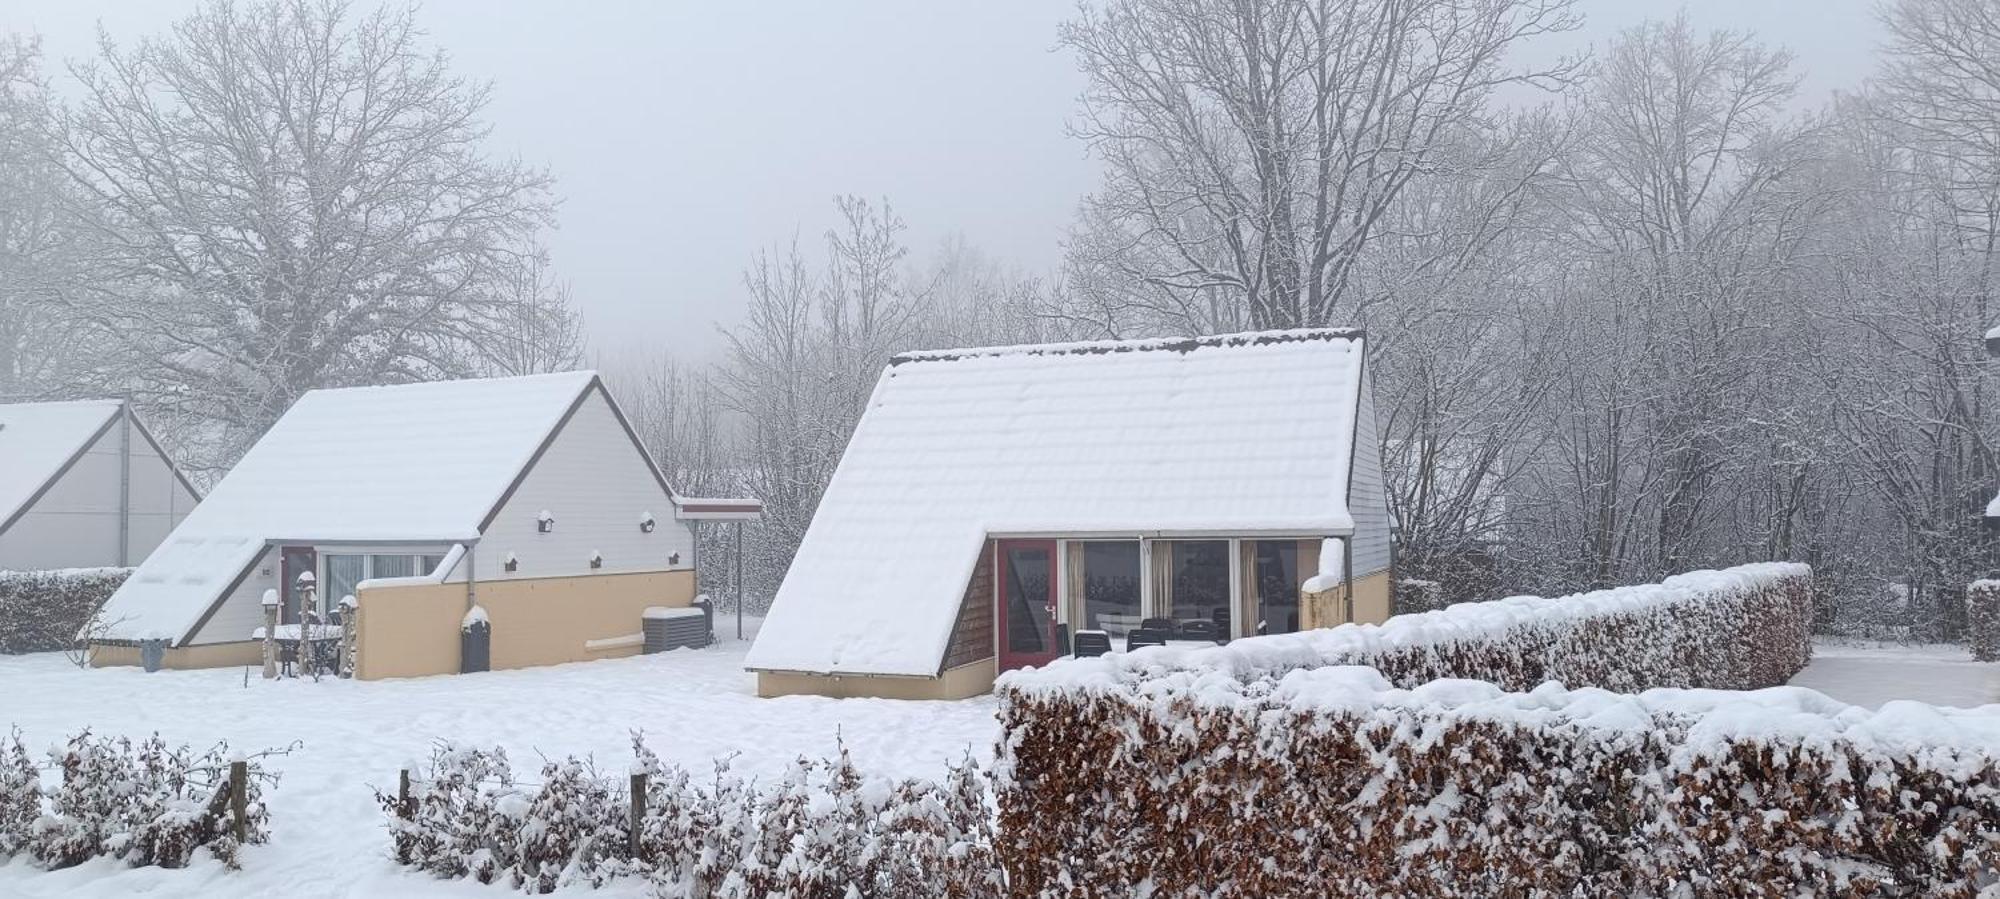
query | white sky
(685,136)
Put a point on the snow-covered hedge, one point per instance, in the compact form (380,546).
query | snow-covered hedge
(144,804)
(1982,620)
(824,829)
(1742,628)
(1334,782)
(43,611)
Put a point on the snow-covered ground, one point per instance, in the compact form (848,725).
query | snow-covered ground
(327,834)
(1870,674)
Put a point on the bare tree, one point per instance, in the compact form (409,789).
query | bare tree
(1253,149)
(43,350)
(284,196)
(533,327)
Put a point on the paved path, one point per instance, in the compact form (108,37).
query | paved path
(1872,674)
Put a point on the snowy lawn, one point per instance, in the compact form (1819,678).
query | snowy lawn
(327,835)
(1870,674)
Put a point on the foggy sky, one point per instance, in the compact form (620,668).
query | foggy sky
(685,136)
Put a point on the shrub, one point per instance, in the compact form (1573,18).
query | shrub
(1743,628)
(1982,620)
(824,829)
(1192,784)
(44,611)
(146,804)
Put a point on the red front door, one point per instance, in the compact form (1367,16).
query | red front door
(1024,591)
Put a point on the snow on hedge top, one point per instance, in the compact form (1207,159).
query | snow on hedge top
(415,462)
(1465,623)
(1234,433)
(38,439)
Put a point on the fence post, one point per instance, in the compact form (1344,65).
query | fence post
(403,794)
(239,800)
(638,814)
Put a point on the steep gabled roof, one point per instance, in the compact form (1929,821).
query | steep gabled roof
(39,442)
(409,462)
(1232,434)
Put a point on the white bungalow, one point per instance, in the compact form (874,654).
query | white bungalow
(84,485)
(527,500)
(996,505)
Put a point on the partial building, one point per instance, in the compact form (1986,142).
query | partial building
(527,501)
(994,503)
(84,485)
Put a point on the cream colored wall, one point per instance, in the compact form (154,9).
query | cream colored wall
(956,683)
(412,631)
(1329,608)
(212,655)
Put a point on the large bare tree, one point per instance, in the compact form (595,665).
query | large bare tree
(285,195)
(44,352)
(1253,149)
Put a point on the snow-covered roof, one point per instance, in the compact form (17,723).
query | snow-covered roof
(38,440)
(409,462)
(1232,434)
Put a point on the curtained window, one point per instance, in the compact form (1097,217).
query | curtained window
(1104,586)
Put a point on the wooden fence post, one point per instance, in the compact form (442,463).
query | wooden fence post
(638,814)
(239,800)
(403,808)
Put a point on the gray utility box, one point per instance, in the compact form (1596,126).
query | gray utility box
(674,628)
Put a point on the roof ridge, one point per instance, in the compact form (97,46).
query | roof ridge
(1145,344)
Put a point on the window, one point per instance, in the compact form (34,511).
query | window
(1191,585)
(1104,585)
(392,566)
(343,572)
(1275,574)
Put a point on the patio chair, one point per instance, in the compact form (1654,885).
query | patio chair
(1198,629)
(1164,625)
(1090,644)
(1144,636)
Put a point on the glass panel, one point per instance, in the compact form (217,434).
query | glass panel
(428,565)
(1196,592)
(1028,586)
(392,566)
(1277,586)
(296,561)
(1104,583)
(342,573)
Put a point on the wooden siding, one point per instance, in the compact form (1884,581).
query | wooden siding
(972,636)
(1367,502)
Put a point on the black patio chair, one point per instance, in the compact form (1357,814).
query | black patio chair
(1090,644)
(1221,618)
(1198,629)
(1144,636)
(1164,625)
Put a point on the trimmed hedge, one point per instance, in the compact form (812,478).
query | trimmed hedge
(1334,783)
(1982,620)
(1286,766)
(43,611)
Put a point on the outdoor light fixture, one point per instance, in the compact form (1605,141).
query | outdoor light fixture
(545,523)
(674,559)
(646,523)
(512,563)
(596,559)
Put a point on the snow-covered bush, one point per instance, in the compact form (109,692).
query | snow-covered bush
(146,804)
(43,611)
(824,829)
(1334,782)
(1742,628)
(1982,620)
